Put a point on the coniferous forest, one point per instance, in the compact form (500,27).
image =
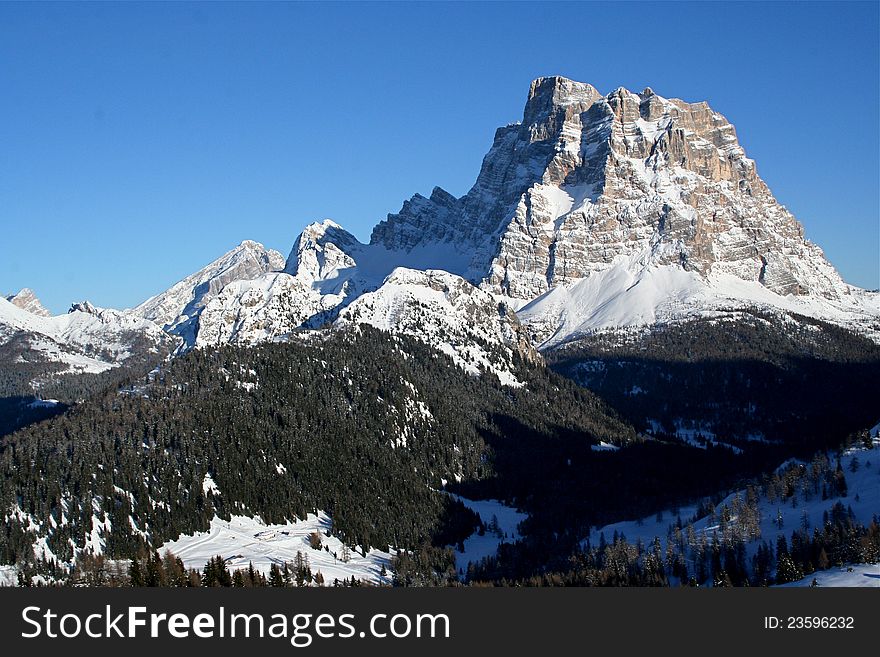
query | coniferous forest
(371,428)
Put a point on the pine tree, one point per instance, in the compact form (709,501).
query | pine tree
(787,570)
(276,579)
(822,562)
(135,575)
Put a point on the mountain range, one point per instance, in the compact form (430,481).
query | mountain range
(618,317)
(593,213)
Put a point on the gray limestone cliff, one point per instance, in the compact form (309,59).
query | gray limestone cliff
(585,179)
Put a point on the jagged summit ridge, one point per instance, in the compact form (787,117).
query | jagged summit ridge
(586,179)
(593,212)
(179,306)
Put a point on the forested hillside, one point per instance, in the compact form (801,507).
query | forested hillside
(743,380)
(356,423)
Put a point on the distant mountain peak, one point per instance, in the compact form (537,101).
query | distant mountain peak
(180,304)
(27,300)
(84,307)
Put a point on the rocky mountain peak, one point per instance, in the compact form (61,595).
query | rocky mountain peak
(548,95)
(27,300)
(586,180)
(83,307)
(317,236)
(323,251)
(178,306)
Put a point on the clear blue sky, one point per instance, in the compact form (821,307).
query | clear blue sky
(139,142)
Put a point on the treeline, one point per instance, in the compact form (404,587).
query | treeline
(168,570)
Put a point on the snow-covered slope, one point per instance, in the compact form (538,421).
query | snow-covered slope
(330,279)
(86,339)
(176,308)
(242,541)
(634,291)
(775,516)
(860,575)
(449,314)
(502,526)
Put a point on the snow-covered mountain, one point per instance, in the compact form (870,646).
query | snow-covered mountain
(585,179)
(594,212)
(332,279)
(624,209)
(178,307)
(86,339)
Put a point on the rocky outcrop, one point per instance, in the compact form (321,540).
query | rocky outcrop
(27,300)
(178,307)
(86,307)
(586,179)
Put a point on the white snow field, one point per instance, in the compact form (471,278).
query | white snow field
(631,294)
(243,540)
(860,575)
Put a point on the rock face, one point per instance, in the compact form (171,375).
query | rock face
(178,308)
(27,300)
(86,307)
(264,308)
(594,212)
(324,254)
(586,179)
